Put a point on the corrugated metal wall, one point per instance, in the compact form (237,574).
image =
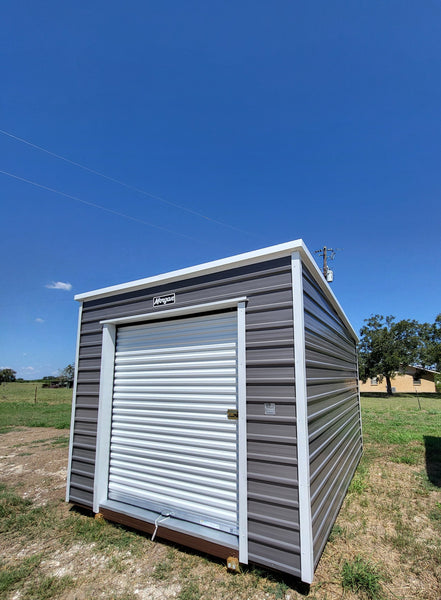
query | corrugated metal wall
(272,455)
(333,410)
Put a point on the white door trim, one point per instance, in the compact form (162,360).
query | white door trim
(177,312)
(100,495)
(242,434)
(104,427)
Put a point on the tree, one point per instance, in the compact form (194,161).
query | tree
(431,333)
(387,346)
(7,375)
(67,375)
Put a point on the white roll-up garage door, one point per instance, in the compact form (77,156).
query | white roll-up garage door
(173,446)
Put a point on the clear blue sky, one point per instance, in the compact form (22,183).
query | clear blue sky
(282,120)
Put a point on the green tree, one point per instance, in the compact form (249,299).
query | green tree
(67,375)
(386,346)
(431,332)
(7,375)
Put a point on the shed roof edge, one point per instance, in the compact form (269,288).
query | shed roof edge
(238,260)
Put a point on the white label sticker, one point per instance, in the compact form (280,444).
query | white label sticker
(270,408)
(163,300)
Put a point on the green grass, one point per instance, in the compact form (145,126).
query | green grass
(25,392)
(18,514)
(398,422)
(358,484)
(337,532)
(11,576)
(47,587)
(362,576)
(104,535)
(33,585)
(19,409)
(189,591)
(163,570)
(61,442)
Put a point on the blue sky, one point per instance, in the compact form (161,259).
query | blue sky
(271,121)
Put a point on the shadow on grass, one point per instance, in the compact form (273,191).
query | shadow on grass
(433,459)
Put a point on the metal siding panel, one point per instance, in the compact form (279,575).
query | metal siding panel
(84,455)
(269,555)
(82,468)
(80,496)
(86,363)
(199,290)
(269,338)
(333,410)
(289,514)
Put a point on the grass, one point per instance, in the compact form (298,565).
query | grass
(18,514)
(31,582)
(47,587)
(398,419)
(392,513)
(104,536)
(11,576)
(19,409)
(189,591)
(363,577)
(396,425)
(435,514)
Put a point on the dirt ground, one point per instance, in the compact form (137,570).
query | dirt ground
(388,524)
(31,462)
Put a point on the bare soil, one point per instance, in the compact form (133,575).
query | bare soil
(387,523)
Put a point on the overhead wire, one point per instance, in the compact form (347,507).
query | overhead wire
(99,206)
(124,184)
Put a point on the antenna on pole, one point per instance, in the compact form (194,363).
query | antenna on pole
(327,254)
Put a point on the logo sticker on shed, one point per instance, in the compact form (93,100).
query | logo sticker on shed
(163,300)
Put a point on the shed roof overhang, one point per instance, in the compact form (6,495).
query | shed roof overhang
(238,260)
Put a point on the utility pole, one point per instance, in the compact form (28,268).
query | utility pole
(327,253)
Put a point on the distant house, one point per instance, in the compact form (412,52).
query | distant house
(409,380)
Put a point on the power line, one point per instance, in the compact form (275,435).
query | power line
(122,183)
(94,205)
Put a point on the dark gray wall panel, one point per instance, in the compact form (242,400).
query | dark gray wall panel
(334,425)
(272,466)
(272,389)
(285,559)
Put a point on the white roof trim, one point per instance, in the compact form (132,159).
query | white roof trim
(239,260)
(210,267)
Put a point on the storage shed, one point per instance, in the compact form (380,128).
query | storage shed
(218,407)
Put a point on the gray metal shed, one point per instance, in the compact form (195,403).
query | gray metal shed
(218,407)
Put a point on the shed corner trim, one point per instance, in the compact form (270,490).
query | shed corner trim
(74,404)
(305,519)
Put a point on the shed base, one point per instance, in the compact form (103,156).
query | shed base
(168,534)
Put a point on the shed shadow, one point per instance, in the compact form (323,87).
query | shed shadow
(433,459)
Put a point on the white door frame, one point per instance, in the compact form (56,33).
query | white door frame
(100,490)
